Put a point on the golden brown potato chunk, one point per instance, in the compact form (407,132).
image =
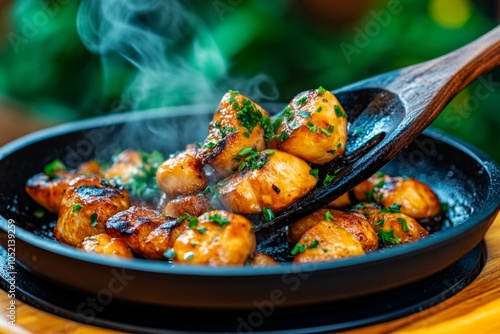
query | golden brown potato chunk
(194,205)
(124,166)
(341,202)
(219,238)
(147,232)
(314,127)
(91,167)
(262,260)
(235,125)
(416,198)
(86,206)
(278,181)
(182,174)
(354,223)
(106,245)
(392,227)
(48,191)
(325,241)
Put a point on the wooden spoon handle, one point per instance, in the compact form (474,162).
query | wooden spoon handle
(429,86)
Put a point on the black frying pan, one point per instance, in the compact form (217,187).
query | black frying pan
(460,175)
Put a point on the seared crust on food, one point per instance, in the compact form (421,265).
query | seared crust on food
(48,191)
(86,205)
(147,232)
(232,129)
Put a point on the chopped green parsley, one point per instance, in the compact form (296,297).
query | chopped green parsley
(339,112)
(93,219)
(76,207)
(388,238)
(268,213)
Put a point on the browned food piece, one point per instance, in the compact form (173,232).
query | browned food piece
(416,198)
(124,166)
(86,205)
(341,202)
(354,223)
(279,182)
(182,174)
(106,245)
(194,205)
(48,191)
(91,167)
(325,241)
(232,129)
(314,127)
(219,238)
(147,232)
(262,260)
(392,227)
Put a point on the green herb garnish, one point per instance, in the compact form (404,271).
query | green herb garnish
(388,238)
(283,136)
(403,224)
(39,214)
(321,90)
(313,128)
(328,216)
(445,206)
(76,207)
(328,179)
(339,112)
(93,219)
(313,244)
(249,115)
(217,218)
(358,130)
(325,132)
(380,222)
(301,101)
(268,213)
(170,253)
(395,208)
(304,114)
(298,248)
(315,173)
(142,184)
(55,166)
(192,221)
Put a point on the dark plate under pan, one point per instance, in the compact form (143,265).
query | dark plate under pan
(461,176)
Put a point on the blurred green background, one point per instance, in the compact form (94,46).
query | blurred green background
(57,65)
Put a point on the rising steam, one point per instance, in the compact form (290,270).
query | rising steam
(173,57)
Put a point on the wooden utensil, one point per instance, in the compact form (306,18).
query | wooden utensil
(386,113)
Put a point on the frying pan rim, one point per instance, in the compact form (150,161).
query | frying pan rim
(487,209)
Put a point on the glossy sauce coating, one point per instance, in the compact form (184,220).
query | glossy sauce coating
(85,208)
(282,180)
(219,238)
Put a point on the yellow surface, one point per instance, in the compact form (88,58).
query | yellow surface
(476,309)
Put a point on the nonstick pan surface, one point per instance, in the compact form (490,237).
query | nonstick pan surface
(461,176)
